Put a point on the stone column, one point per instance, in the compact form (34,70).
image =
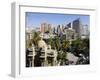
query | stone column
(55,58)
(45,57)
(33,55)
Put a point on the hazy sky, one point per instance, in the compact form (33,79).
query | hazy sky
(35,19)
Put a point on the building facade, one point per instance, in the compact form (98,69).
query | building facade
(77,26)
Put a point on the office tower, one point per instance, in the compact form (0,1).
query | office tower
(59,31)
(69,25)
(49,28)
(54,30)
(85,31)
(44,27)
(62,28)
(70,34)
(77,26)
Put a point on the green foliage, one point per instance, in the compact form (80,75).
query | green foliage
(57,43)
(36,38)
(81,46)
(81,43)
(51,42)
(65,44)
(61,55)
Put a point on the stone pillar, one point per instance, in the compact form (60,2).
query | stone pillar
(55,58)
(45,57)
(33,55)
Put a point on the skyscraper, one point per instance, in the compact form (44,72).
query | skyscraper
(44,27)
(77,26)
(70,34)
(85,31)
(58,29)
(63,28)
(49,28)
(69,25)
(54,30)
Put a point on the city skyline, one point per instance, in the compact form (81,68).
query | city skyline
(57,39)
(35,19)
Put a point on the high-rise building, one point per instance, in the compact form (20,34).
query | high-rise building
(62,28)
(44,27)
(54,30)
(59,31)
(49,28)
(70,34)
(85,31)
(77,26)
(69,25)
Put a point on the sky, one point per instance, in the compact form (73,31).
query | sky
(35,19)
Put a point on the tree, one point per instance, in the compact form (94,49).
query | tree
(80,46)
(36,38)
(62,57)
(51,42)
(57,43)
(65,45)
